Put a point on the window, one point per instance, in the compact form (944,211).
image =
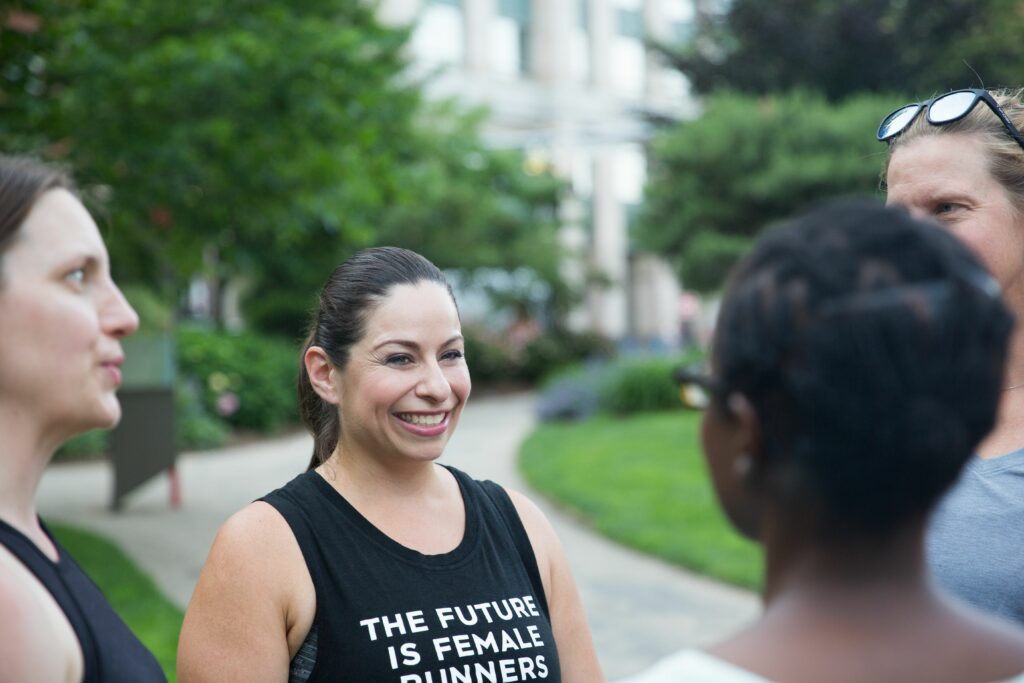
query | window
(518,10)
(630,23)
(439,35)
(580,48)
(680,19)
(511,38)
(628,58)
(683,32)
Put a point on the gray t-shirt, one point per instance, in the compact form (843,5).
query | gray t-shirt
(975,542)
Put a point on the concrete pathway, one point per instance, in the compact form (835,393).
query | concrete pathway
(639,608)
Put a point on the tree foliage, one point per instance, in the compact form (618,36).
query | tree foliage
(747,162)
(262,138)
(840,47)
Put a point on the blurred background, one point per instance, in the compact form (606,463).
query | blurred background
(586,172)
(583,169)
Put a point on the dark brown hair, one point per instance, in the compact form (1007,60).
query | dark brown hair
(351,293)
(22,182)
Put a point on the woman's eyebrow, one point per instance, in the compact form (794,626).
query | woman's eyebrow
(413,345)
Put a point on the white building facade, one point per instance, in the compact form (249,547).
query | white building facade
(569,82)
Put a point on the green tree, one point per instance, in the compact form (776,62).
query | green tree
(840,47)
(748,162)
(466,207)
(463,206)
(26,43)
(264,139)
(227,133)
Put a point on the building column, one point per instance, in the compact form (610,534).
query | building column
(479,15)
(608,305)
(656,27)
(399,12)
(655,300)
(551,51)
(602,30)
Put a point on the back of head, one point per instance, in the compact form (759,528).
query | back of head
(1005,156)
(348,297)
(22,182)
(872,347)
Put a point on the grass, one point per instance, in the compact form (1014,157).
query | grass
(153,618)
(642,481)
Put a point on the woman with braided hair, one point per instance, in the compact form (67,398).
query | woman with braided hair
(857,363)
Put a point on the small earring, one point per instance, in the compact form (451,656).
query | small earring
(742,465)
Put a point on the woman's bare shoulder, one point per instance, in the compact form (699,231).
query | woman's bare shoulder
(36,640)
(530,513)
(255,545)
(253,603)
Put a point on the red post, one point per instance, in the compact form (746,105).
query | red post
(172,475)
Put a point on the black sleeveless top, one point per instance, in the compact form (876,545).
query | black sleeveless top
(389,614)
(111,652)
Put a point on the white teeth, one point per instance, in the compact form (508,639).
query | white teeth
(422,420)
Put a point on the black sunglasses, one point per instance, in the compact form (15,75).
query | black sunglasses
(695,386)
(944,109)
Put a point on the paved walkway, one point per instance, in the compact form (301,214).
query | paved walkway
(639,608)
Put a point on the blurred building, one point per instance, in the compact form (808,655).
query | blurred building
(571,84)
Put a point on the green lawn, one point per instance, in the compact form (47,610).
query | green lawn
(642,481)
(149,614)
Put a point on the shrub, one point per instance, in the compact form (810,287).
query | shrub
(246,379)
(621,386)
(195,428)
(639,385)
(83,447)
(571,394)
(490,362)
(557,349)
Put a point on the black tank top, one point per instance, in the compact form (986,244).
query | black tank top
(388,614)
(111,651)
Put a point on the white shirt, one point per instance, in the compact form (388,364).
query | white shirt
(694,666)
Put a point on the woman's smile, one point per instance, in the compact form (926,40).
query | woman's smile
(424,424)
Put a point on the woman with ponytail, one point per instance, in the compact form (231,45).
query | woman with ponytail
(378,563)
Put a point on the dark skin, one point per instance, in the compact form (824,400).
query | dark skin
(852,610)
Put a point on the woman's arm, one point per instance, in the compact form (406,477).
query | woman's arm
(252,607)
(568,620)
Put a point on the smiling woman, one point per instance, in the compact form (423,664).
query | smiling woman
(60,356)
(352,570)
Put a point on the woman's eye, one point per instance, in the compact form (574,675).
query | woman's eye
(76,276)
(400,359)
(452,355)
(945,207)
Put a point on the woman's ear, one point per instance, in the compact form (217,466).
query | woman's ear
(321,374)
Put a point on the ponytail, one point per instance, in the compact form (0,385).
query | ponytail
(319,416)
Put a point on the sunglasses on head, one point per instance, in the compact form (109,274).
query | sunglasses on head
(944,109)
